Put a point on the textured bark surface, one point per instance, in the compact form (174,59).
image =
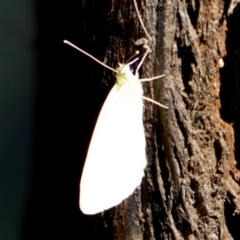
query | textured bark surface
(190,148)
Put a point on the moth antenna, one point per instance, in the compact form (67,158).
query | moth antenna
(133,61)
(89,55)
(133,56)
(140,19)
(142,60)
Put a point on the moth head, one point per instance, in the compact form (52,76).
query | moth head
(124,74)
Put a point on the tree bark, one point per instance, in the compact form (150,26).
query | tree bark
(191,169)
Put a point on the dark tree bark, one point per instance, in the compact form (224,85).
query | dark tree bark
(192,170)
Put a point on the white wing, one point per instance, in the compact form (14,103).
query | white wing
(116,156)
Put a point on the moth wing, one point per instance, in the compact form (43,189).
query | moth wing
(116,156)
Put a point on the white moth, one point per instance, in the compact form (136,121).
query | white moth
(116,156)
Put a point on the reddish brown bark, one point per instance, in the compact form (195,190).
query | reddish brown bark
(190,147)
